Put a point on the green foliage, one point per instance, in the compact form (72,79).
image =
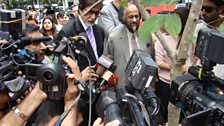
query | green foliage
(191,39)
(124,3)
(221,28)
(158,2)
(151,25)
(173,25)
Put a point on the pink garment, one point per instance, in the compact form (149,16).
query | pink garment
(162,57)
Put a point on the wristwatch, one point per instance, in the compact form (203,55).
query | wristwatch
(19,113)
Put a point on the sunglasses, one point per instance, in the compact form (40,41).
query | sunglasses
(208,9)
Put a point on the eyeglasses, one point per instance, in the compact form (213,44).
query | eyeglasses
(208,9)
(92,12)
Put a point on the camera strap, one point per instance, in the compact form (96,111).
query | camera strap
(65,113)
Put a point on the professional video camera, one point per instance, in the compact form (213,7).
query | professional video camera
(15,58)
(13,21)
(197,94)
(136,104)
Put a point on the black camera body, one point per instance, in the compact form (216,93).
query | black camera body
(52,77)
(197,94)
(136,104)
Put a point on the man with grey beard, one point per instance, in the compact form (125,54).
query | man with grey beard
(84,22)
(122,42)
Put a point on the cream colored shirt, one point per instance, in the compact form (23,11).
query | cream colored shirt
(129,34)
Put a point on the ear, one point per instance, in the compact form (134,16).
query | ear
(221,9)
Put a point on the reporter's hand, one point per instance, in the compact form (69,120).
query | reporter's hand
(86,71)
(72,91)
(74,67)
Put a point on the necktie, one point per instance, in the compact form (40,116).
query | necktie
(92,41)
(134,43)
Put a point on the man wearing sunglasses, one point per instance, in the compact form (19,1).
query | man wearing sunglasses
(211,15)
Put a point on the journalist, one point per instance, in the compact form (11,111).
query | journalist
(21,112)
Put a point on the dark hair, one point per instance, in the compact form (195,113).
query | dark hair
(54,30)
(47,110)
(217,2)
(86,3)
(61,14)
(182,12)
(29,29)
(73,5)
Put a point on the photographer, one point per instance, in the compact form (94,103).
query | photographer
(19,115)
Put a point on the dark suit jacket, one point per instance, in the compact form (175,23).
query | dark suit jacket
(73,28)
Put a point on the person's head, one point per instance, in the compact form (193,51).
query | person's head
(182,12)
(48,25)
(211,9)
(32,31)
(62,18)
(89,17)
(74,10)
(131,18)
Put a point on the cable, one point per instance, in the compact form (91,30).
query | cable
(90,92)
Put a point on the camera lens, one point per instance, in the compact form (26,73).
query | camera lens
(48,75)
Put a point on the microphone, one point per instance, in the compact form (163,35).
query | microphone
(103,63)
(105,78)
(24,41)
(79,40)
(113,80)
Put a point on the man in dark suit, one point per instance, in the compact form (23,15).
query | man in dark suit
(89,11)
(85,21)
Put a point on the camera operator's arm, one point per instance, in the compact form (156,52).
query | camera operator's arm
(3,41)
(70,94)
(20,113)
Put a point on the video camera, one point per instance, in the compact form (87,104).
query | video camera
(136,104)
(197,94)
(13,21)
(15,58)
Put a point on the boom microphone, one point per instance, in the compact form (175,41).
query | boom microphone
(24,41)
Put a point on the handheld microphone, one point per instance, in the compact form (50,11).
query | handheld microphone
(24,41)
(113,80)
(105,78)
(103,63)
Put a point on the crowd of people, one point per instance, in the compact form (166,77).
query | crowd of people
(110,29)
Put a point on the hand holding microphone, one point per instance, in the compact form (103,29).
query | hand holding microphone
(86,73)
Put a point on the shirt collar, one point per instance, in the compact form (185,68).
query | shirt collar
(130,33)
(82,22)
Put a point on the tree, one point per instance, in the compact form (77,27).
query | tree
(173,25)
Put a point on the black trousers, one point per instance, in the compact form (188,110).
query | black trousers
(163,93)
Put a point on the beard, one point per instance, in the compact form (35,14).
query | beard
(89,24)
(133,27)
